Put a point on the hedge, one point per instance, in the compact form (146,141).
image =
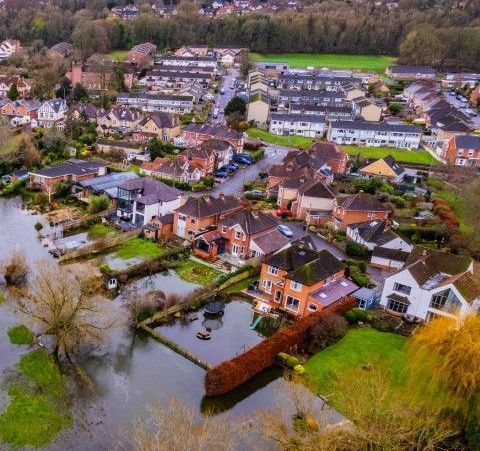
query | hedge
(232,373)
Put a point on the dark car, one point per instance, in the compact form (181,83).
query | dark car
(221,174)
(254,194)
(243,158)
(231,167)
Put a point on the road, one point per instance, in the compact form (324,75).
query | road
(222,100)
(462,106)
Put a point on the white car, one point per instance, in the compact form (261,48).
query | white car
(285,230)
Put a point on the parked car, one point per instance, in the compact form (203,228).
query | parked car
(284,212)
(231,167)
(222,91)
(243,158)
(285,230)
(221,174)
(254,194)
(215,113)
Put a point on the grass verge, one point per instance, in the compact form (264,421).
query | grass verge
(280,140)
(401,155)
(375,63)
(195,272)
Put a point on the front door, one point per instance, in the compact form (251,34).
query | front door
(234,250)
(181,226)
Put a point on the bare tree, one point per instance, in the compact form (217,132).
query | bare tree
(63,306)
(176,427)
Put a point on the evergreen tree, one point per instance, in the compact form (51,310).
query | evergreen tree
(13,93)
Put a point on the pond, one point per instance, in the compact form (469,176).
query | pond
(134,371)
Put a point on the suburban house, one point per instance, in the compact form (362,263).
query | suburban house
(118,118)
(299,280)
(126,149)
(200,212)
(320,81)
(52,113)
(141,54)
(366,109)
(307,125)
(165,103)
(70,171)
(60,50)
(7,81)
(195,134)
(86,110)
(234,234)
(308,97)
(329,154)
(389,250)
(386,168)
(327,112)
(432,283)
(163,126)
(463,150)
(8,47)
(105,184)
(222,149)
(21,108)
(159,227)
(172,169)
(140,199)
(360,207)
(202,158)
(188,61)
(258,108)
(375,134)
(411,73)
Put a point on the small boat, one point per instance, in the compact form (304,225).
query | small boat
(204,335)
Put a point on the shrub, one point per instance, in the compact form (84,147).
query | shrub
(354,249)
(98,204)
(291,362)
(282,358)
(362,280)
(41,198)
(38,226)
(16,269)
(327,331)
(20,335)
(357,314)
(299,369)
(257,155)
(398,201)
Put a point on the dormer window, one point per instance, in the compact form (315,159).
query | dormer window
(273,270)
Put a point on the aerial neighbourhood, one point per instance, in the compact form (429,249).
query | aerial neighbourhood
(209,241)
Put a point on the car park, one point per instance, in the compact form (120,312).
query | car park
(285,230)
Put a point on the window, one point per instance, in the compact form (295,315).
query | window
(182,217)
(278,296)
(292,304)
(295,286)
(273,270)
(224,229)
(446,300)
(238,235)
(402,288)
(193,220)
(267,286)
(312,308)
(397,306)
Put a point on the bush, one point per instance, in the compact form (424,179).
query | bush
(184,186)
(291,362)
(354,249)
(398,201)
(38,226)
(98,204)
(62,190)
(299,369)
(282,358)
(257,155)
(16,269)
(357,314)
(41,198)
(362,280)
(327,331)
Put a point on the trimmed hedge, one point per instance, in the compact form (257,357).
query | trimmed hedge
(232,373)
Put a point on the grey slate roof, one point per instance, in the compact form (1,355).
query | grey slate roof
(297,118)
(270,241)
(251,222)
(71,167)
(362,202)
(333,292)
(467,141)
(151,191)
(205,206)
(376,126)
(390,254)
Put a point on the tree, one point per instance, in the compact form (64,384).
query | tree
(13,93)
(63,306)
(15,269)
(158,149)
(98,204)
(64,89)
(327,331)
(79,93)
(236,105)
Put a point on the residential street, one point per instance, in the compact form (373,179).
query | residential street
(222,100)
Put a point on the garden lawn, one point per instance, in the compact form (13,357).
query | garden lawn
(375,63)
(139,247)
(280,140)
(360,346)
(401,155)
(195,272)
(100,231)
(117,55)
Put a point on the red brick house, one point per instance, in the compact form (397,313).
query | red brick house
(331,155)
(463,150)
(199,213)
(195,134)
(299,280)
(159,227)
(234,234)
(202,158)
(360,207)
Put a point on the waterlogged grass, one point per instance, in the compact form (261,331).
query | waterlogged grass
(139,247)
(20,335)
(365,346)
(98,231)
(195,272)
(35,414)
(40,367)
(375,63)
(31,419)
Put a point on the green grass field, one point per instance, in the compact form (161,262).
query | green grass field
(195,272)
(358,347)
(300,142)
(117,55)
(98,231)
(375,63)
(139,247)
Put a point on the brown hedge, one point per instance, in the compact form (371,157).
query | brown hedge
(232,373)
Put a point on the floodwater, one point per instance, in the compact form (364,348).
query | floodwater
(135,371)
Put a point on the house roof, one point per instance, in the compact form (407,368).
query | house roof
(171,167)
(299,252)
(430,267)
(71,167)
(217,145)
(216,131)
(362,202)
(469,286)
(399,298)
(205,206)
(323,266)
(376,126)
(325,151)
(270,241)
(285,117)
(333,292)
(383,167)
(390,254)
(467,141)
(89,110)
(108,181)
(251,222)
(412,70)
(319,190)
(151,191)
(161,120)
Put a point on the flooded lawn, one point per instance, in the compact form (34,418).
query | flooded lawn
(168,281)
(231,333)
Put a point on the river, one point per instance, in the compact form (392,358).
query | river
(132,372)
